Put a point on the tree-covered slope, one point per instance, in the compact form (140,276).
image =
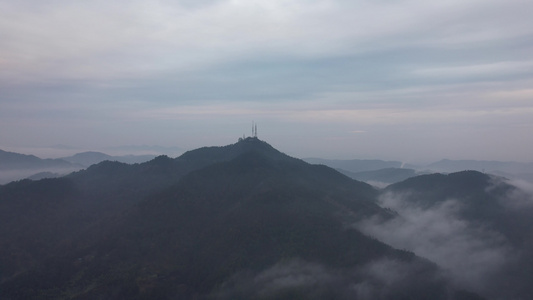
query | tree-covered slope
(236,222)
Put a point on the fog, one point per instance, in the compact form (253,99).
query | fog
(376,280)
(475,254)
(520,198)
(470,252)
(7,176)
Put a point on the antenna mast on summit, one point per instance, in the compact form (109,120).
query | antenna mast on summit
(254,129)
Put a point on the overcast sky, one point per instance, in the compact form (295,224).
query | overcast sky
(390,79)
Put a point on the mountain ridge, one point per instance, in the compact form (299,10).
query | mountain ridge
(12,160)
(211,223)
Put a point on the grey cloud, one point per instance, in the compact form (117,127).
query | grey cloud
(377,280)
(486,249)
(473,254)
(57,56)
(281,279)
(386,279)
(521,197)
(293,274)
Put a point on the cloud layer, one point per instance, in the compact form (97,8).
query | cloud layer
(471,253)
(486,252)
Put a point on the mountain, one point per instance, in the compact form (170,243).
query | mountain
(382,176)
(356,165)
(146,150)
(43,175)
(475,225)
(512,170)
(16,161)
(380,173)
(235,222)
(89,158)
(450,166)
(482,198)
(15,166)
(377,172)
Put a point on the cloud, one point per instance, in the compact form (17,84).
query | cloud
(472,254)
(388,278)
(7,176)
(291,276)
(498,69)
(294,274)
(518,198)
(378,184)
(80,39)
(377,280)
(329,63)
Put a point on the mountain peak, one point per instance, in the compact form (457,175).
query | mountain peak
(229,152)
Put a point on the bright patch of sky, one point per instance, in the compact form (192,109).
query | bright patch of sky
(407,80)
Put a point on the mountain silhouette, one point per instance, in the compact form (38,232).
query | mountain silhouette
(234,222)
(17,161)
(16,166)
(384,176)
(91,157)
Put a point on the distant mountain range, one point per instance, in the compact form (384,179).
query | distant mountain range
(15,166)
(357,165)
(376,172)
(246,221)
(89,158)
(382,177)
(447,165)
(148,148)
(16,161)
(381,172)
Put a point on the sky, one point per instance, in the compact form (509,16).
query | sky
(383,79)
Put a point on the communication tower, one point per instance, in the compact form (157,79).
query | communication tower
(254,129)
